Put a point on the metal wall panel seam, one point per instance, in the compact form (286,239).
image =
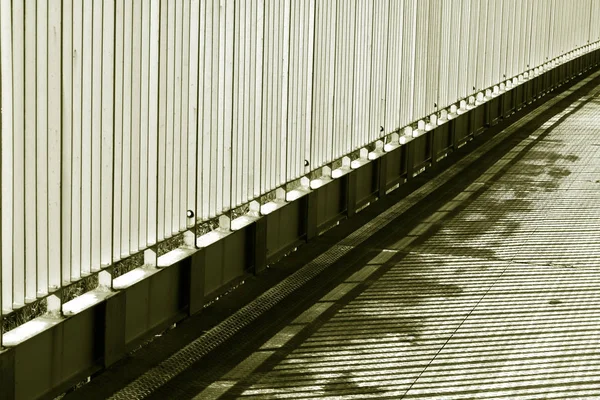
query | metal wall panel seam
(294,93)
(237,98)
(169,149)
(503,50)
(196,17)
(378,105)
(159,41)
(67,137)
(153,127)
(388,17)
(320,84)
(286,56)
(203,107)
(271,153)
(162,121)
(319,87)
(434,60)
(420,53)
(290,96)
(305,83)
(392,111)
(551,30)
(7,159)
(362,73)
(304,55)
(259,104)
(515,50)
(472,84)
(508,40)
(180,161)
(230,98)
(341,13)
(529,34)
(257,55)
(42,148)
(545,33)
(106,177)
(126,191)
(240,132)
(277,105)
(534,34)
(266,90)
(96,134)
(144,62)
(185,140)
(2,84)
(54,143)
(481,46)
(173,212)
(136,134)
(344,81)
(524,37)
(18,109)
(444,53)
(305,98)
(31,279)
(118,131)
(471,25)
(408,69)
(489,48)
(347,86)
(328,156)
(308,140)
(86,138)
(245,166)
(591,28)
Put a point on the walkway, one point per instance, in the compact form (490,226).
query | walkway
(491,291)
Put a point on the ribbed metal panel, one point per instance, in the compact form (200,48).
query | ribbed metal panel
(379,73)
(275,89)
(409,37)
(469,69)
(358,114)
(344,79)
(515,22)
(447,91)
(422,59)
(18,176)
(120,116)
(299,114)
(393,92)
(432,71)
(323,81)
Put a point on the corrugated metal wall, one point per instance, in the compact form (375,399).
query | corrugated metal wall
(119,116)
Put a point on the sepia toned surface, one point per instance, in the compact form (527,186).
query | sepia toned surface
(480,284)
(498,297)
(159,156)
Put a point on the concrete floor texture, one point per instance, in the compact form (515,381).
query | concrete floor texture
(491,291)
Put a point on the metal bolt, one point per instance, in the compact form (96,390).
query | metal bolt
(190,214)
